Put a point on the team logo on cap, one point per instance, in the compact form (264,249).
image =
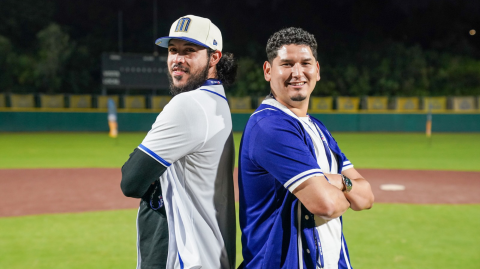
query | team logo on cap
(183,24)
(214,42)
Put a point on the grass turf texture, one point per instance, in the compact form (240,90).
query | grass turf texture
(391,236)
(365,150)
(388,236)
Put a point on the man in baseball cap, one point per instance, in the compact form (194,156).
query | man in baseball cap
(198,30)
(183,169)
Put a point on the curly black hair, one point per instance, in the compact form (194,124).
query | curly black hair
(226,67)
(289,36)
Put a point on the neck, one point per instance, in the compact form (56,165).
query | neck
(299,108)
(212,73)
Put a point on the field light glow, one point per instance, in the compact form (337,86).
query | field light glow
(472,32)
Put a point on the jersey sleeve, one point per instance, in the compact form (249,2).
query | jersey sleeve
(178,130)
(346,163)
(138,173)
(280,148)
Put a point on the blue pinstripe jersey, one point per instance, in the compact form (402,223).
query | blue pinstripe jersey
(276,152)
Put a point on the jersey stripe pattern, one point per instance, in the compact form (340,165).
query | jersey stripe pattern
(276,155)
(193,138)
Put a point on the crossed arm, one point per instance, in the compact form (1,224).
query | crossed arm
(361,196)
(326,199)
(138,174)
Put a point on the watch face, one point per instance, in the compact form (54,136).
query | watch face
(348,183)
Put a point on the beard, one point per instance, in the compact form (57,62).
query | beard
(195,81)
(298,98)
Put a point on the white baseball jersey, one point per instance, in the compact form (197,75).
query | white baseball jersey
(330,231)
(193,138)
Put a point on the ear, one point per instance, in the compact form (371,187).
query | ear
(318,71)
(267,69)
(215,58)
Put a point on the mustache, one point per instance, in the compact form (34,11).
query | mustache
(179,68)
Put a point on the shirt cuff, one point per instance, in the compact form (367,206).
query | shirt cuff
(295,181)
(347,165)
(154,155)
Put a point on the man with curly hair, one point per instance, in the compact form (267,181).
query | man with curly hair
(294,181)
(183,169)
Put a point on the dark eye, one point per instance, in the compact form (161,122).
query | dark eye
(172,50)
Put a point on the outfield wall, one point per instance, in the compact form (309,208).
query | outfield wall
(142,121)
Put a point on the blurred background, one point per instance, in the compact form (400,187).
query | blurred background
(392,48)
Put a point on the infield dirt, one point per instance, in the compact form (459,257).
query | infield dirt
(49,191)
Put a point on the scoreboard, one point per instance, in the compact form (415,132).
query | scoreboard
(137,71)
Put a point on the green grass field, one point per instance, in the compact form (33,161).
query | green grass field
(376,150)
(388,236)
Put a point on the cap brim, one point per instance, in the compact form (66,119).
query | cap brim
(163,41)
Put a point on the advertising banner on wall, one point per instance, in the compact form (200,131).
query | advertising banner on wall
(377,103)
(321,104)
(22,100)
(435,104)
(348,104)
(52,101)
(464,103)
(80,101)
(407,104)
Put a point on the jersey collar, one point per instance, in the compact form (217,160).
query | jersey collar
(270,100)
(214,86)
(212,82)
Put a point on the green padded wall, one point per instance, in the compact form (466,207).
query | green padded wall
(73,121)
(335,122)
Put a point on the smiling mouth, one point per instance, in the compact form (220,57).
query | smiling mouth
(297,84)
(178,71)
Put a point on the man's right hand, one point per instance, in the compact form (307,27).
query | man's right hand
(336,180)
(321,198)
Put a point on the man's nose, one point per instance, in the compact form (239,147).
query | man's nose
(296,70)
(179,59)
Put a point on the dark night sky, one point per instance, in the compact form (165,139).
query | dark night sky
(346,30)
(246,25)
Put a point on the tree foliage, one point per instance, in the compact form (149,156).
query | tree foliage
(54,51)
(250,80)
(391,47)
(398,70)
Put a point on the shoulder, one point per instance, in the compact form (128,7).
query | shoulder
(267,117)
(182,111)
(208,92)
(181,99)
(271,124)
(182,104)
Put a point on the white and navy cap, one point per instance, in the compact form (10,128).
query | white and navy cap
(198,30)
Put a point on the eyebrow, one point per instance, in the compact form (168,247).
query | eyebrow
(290,60)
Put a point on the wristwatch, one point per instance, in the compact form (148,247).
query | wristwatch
(347,184)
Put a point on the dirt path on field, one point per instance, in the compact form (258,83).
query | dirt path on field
(42,191)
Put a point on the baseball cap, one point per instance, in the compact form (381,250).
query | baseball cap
(198,30)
